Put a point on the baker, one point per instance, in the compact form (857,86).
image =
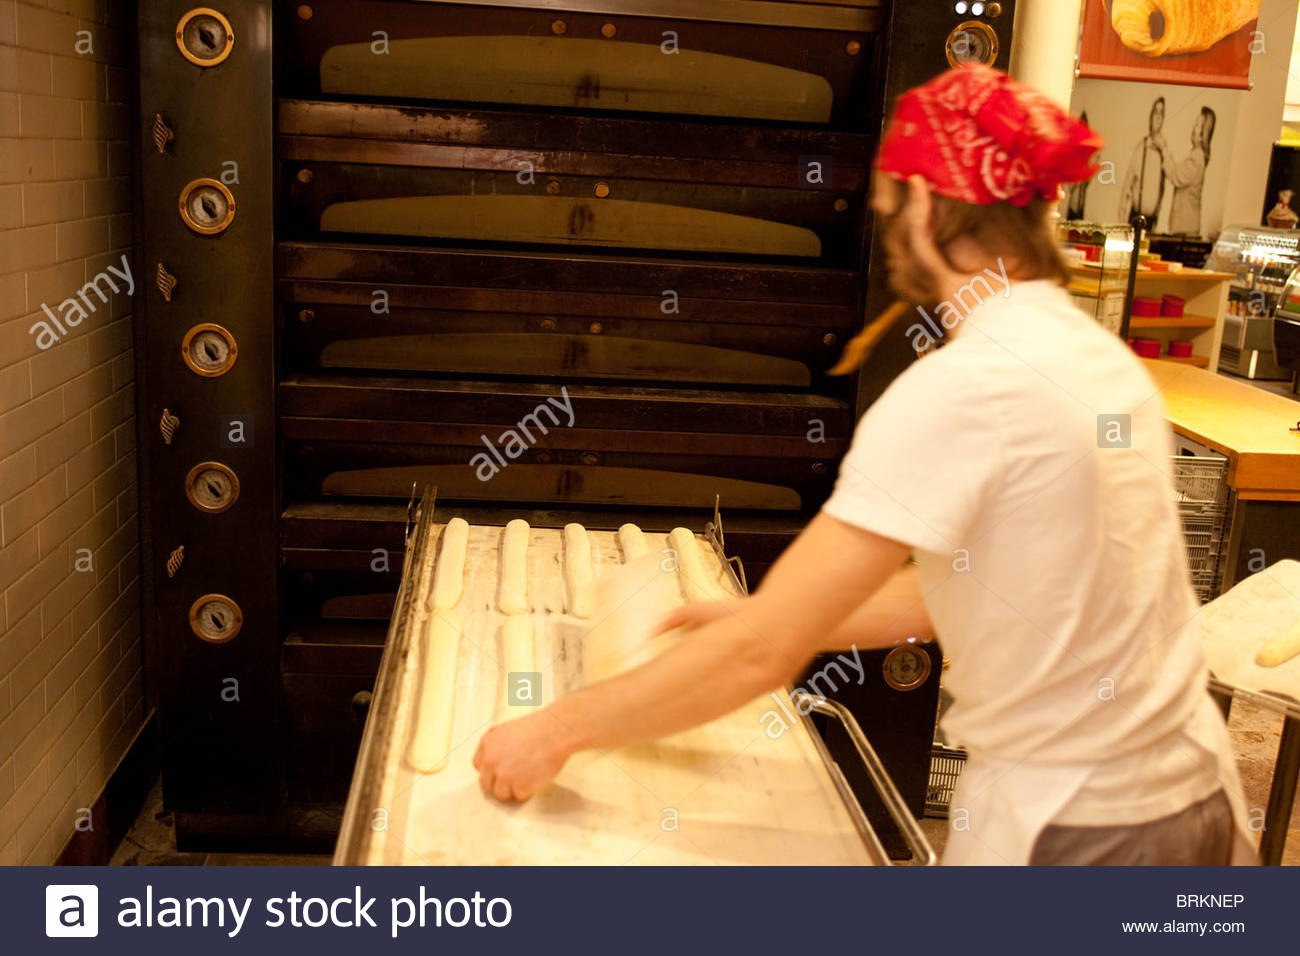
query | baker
(1024,466)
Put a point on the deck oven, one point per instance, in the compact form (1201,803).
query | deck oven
(585,260)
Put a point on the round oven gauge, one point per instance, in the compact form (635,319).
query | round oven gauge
(211,487)
(906,667)
(209,350)
(204,36)
(215,618)
(207,206)
(972,42)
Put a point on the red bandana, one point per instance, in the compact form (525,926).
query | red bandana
(978,136)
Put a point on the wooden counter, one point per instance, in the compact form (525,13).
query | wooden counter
(1248,425)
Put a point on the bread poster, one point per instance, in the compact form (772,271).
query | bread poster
(1190,42)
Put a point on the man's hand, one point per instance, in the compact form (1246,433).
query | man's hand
(516,759)
(695,615)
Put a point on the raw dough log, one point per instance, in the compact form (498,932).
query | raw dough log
(696,582)
(578,574)
(449,575)
(517,658)
(632,541)
(1280,649)
(431,744)
(514,567)
(1189,25)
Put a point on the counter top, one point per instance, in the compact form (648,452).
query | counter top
(1248,425)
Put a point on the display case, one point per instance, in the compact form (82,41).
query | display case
(1261,261)
(1099,254)
(1286,331)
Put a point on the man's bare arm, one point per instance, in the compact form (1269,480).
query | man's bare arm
(821,579)
(894,614)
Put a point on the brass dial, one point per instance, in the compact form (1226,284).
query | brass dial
(207,206)
(212,487)
(209,350)
(215,618)
(972,42)
(204,36)
(906,667)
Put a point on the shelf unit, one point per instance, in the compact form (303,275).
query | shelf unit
(1204,292)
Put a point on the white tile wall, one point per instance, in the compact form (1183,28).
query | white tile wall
(70,684)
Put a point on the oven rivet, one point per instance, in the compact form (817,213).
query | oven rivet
(558,26)
(548,325)
(993,10)
(602,190)
(841,205)
(305,176)
(830,338)
(597,328)
(608,30)
(306,315)
(853,48)
(552,186)
(819,468)
(590,458)
(305,11)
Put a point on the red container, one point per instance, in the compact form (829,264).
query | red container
(1146,307)
(1180,348)
(1172,305)
(1147,348)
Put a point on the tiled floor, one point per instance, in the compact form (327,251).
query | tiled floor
(152,840)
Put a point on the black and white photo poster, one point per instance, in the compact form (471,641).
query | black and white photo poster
(1166,154)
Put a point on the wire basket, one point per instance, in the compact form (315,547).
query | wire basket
(945,767)
(1201,494)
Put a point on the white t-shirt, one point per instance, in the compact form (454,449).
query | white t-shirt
(1053,568)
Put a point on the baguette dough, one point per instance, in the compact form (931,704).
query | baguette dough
(696,584)
(1280,649)
(632,541)
(578,574)
(1189,25)
(449,574)
(517,658)
(514,567)
(431,744)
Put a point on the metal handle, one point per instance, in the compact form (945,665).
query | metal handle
(896,806)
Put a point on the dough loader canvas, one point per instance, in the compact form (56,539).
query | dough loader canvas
(1190,42)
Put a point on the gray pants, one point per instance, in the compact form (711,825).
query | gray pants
(1201,835)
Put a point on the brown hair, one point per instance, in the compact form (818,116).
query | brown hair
(1019,235)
